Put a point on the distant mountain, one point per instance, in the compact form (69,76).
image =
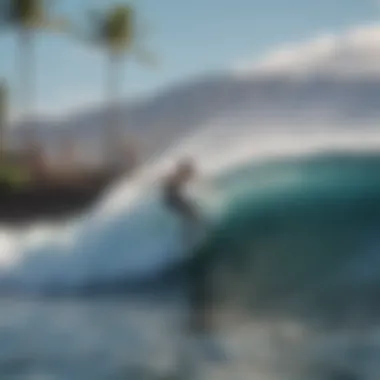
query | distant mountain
(333,81)
(162,120)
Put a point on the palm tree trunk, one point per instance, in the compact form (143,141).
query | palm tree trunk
(27,73)
(113,79)
(113,92)
(3,119)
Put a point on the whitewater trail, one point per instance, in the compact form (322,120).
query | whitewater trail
(128,232)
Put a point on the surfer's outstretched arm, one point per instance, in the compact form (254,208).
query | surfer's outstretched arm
(187,209)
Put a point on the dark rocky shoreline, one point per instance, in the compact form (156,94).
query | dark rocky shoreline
(50,201)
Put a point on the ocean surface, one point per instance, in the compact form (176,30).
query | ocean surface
(293,240)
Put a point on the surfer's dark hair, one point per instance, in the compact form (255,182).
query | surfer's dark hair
(186,163)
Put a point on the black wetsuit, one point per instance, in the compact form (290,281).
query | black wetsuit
(196,274)
(176,202)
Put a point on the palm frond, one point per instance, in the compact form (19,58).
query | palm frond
(145,57)
(116,31)
(27,13)
(34,14)
(113,28)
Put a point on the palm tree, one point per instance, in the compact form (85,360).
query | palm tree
(115,31)
(3,118)
(27,17)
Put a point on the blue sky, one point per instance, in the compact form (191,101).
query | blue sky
(188,37)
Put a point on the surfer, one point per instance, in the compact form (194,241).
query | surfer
(174,186)
(176,201)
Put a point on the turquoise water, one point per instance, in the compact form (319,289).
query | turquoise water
(289,228)
(293,264)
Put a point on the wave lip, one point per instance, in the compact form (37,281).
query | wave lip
(129,234)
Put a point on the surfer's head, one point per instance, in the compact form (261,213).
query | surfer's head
(185,170)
